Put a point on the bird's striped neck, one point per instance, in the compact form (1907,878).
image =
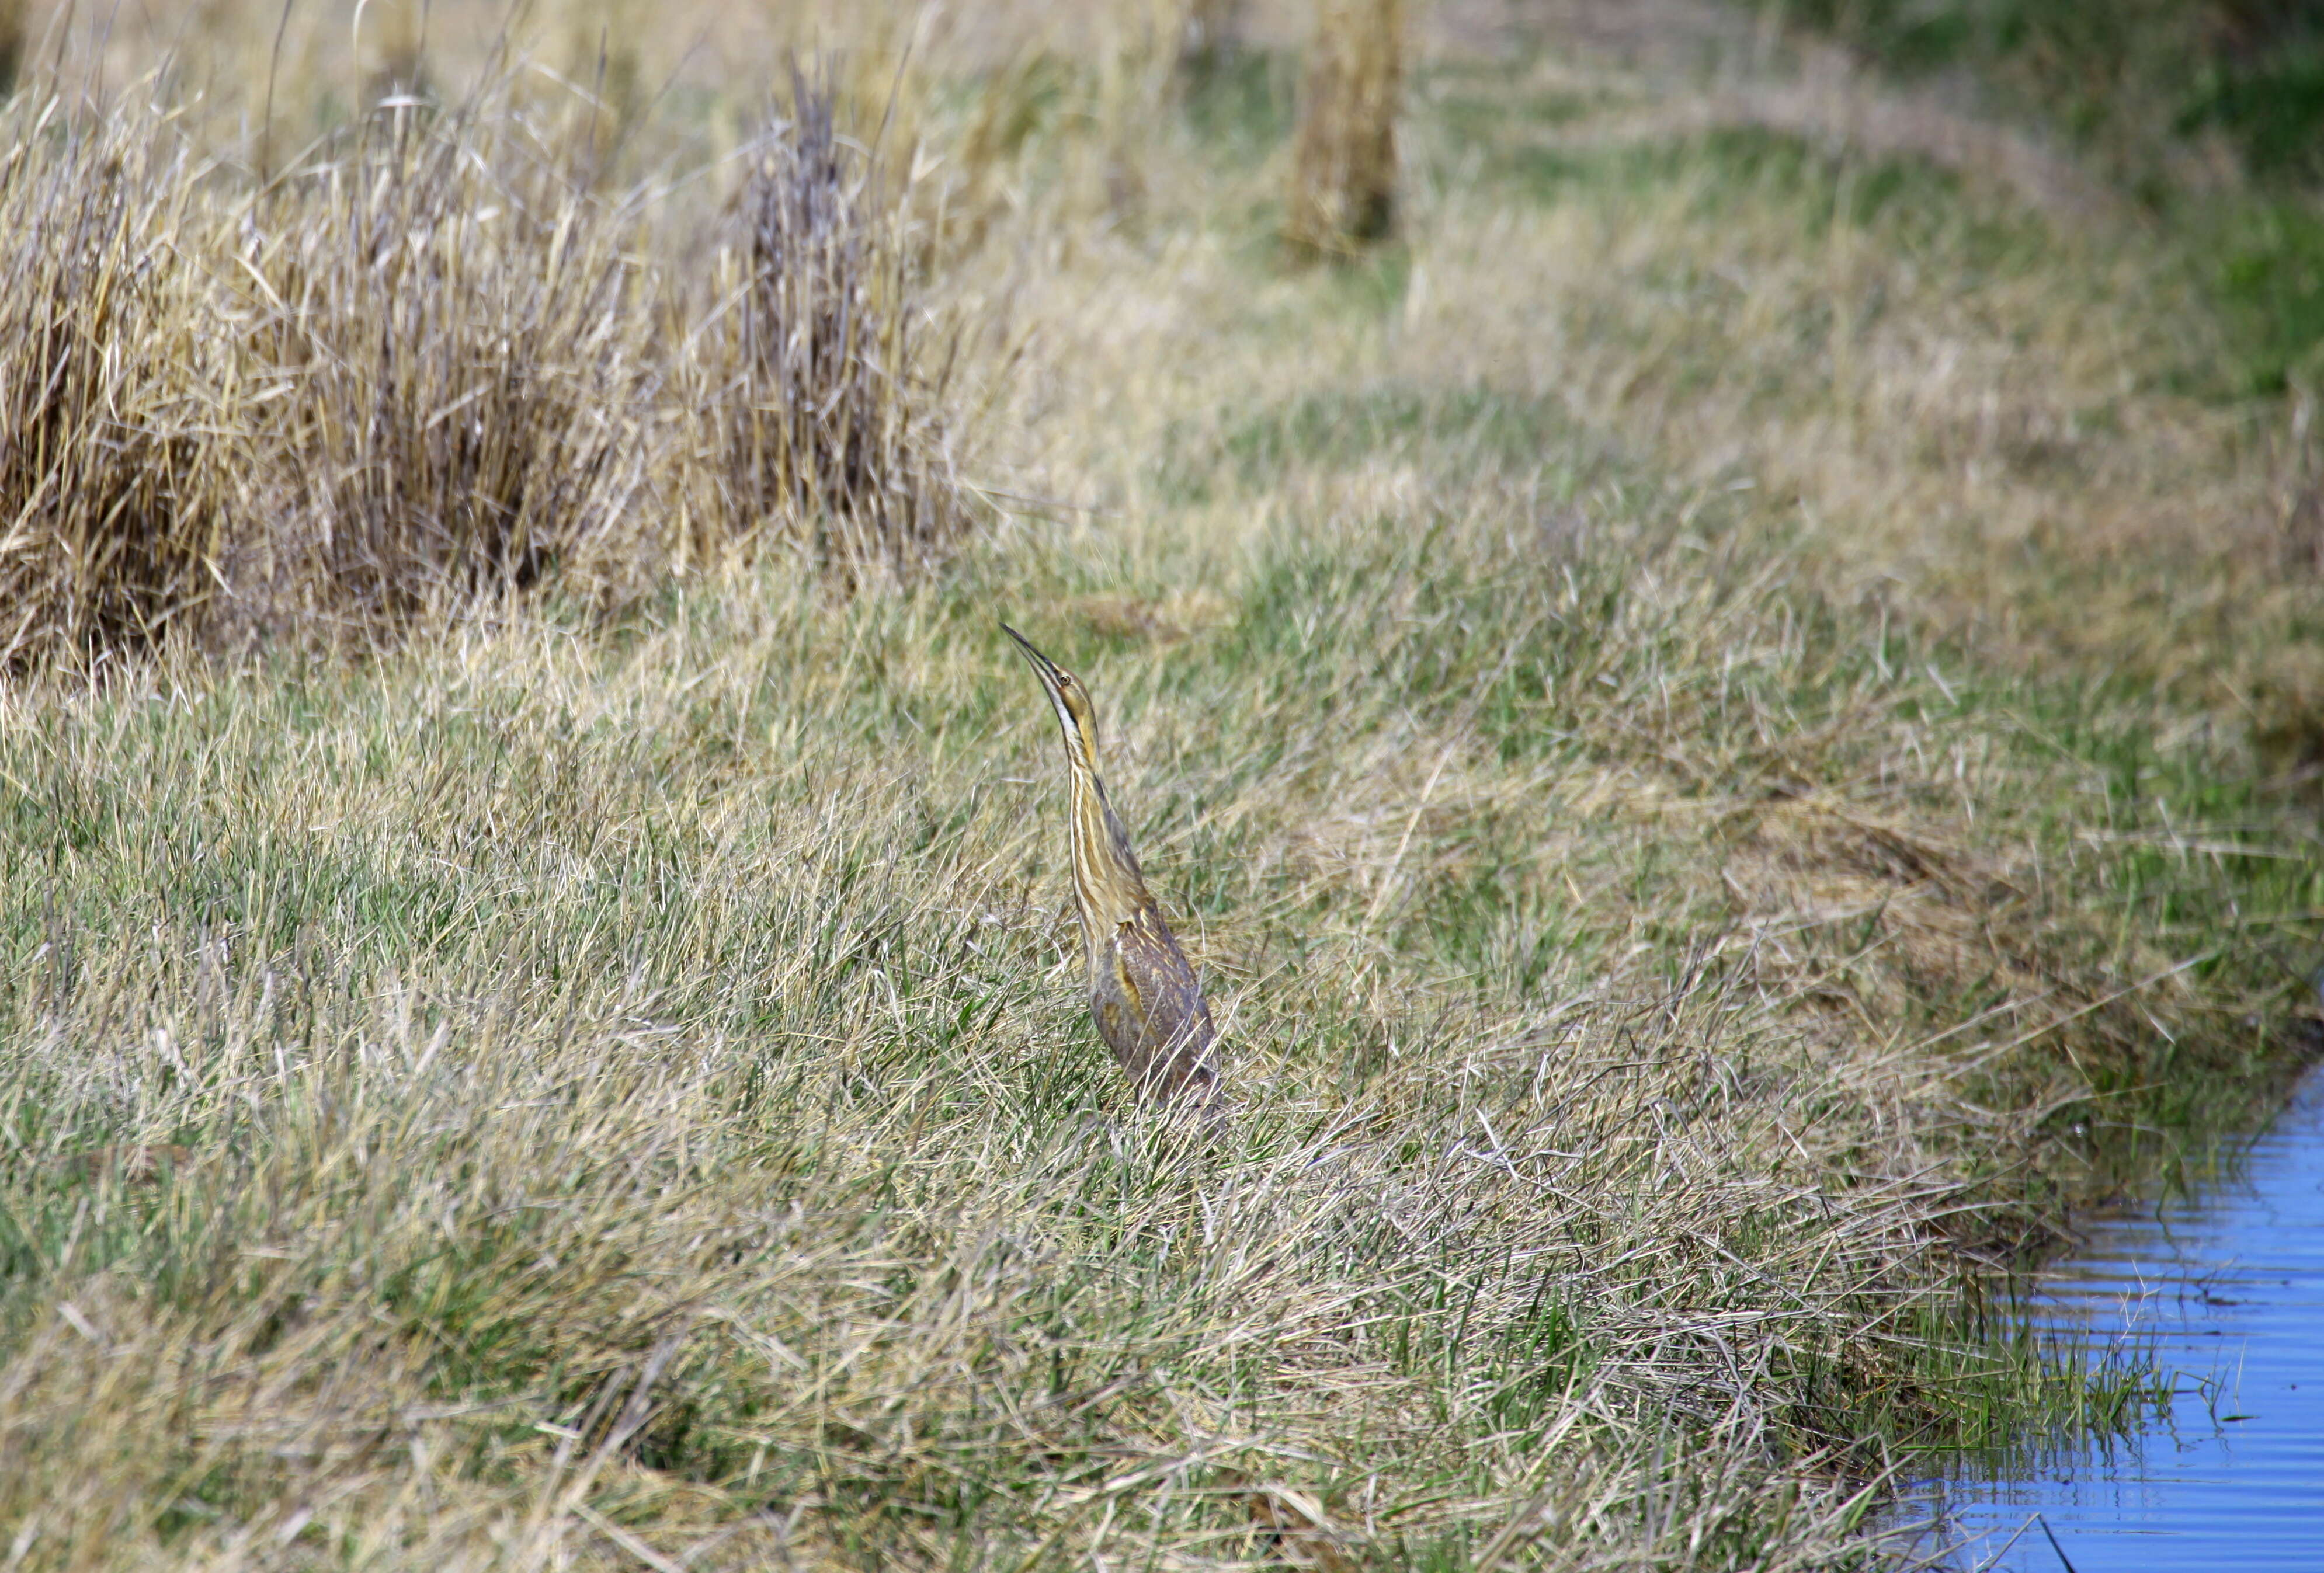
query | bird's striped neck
(1107,880)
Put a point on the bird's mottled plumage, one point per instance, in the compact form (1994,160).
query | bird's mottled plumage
(1148,1007)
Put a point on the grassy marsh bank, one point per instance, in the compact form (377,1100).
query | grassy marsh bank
(618,1088)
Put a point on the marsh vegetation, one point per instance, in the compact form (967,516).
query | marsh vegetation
(1728,715)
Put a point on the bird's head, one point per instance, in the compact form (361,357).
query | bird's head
(1067,697)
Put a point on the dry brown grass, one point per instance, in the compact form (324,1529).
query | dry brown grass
(1343,170)
(436,360)
(122,435)
(457,337)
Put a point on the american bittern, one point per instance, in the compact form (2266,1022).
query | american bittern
(1150,1010)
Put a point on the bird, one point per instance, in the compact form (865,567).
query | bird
(1148,1007)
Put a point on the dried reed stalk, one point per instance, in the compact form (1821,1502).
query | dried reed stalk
(605,64)
(1343,163)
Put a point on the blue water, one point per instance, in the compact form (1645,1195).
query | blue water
(2226,1289)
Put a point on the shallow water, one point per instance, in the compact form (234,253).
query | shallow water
(2225,1288)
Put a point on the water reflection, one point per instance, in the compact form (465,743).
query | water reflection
(2227,1289)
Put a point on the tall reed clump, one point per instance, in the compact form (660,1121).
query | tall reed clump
(825,373)
(462,338)
(1344,160)
(118,460)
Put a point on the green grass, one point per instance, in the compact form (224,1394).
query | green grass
(2135,83)
(555,1007)
(1245,104)
(2270,279)
(1476,426)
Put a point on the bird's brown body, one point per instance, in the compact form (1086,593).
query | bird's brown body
(1150,1010)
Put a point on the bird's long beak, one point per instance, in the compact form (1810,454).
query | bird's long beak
(1046,669)
(1050,672)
